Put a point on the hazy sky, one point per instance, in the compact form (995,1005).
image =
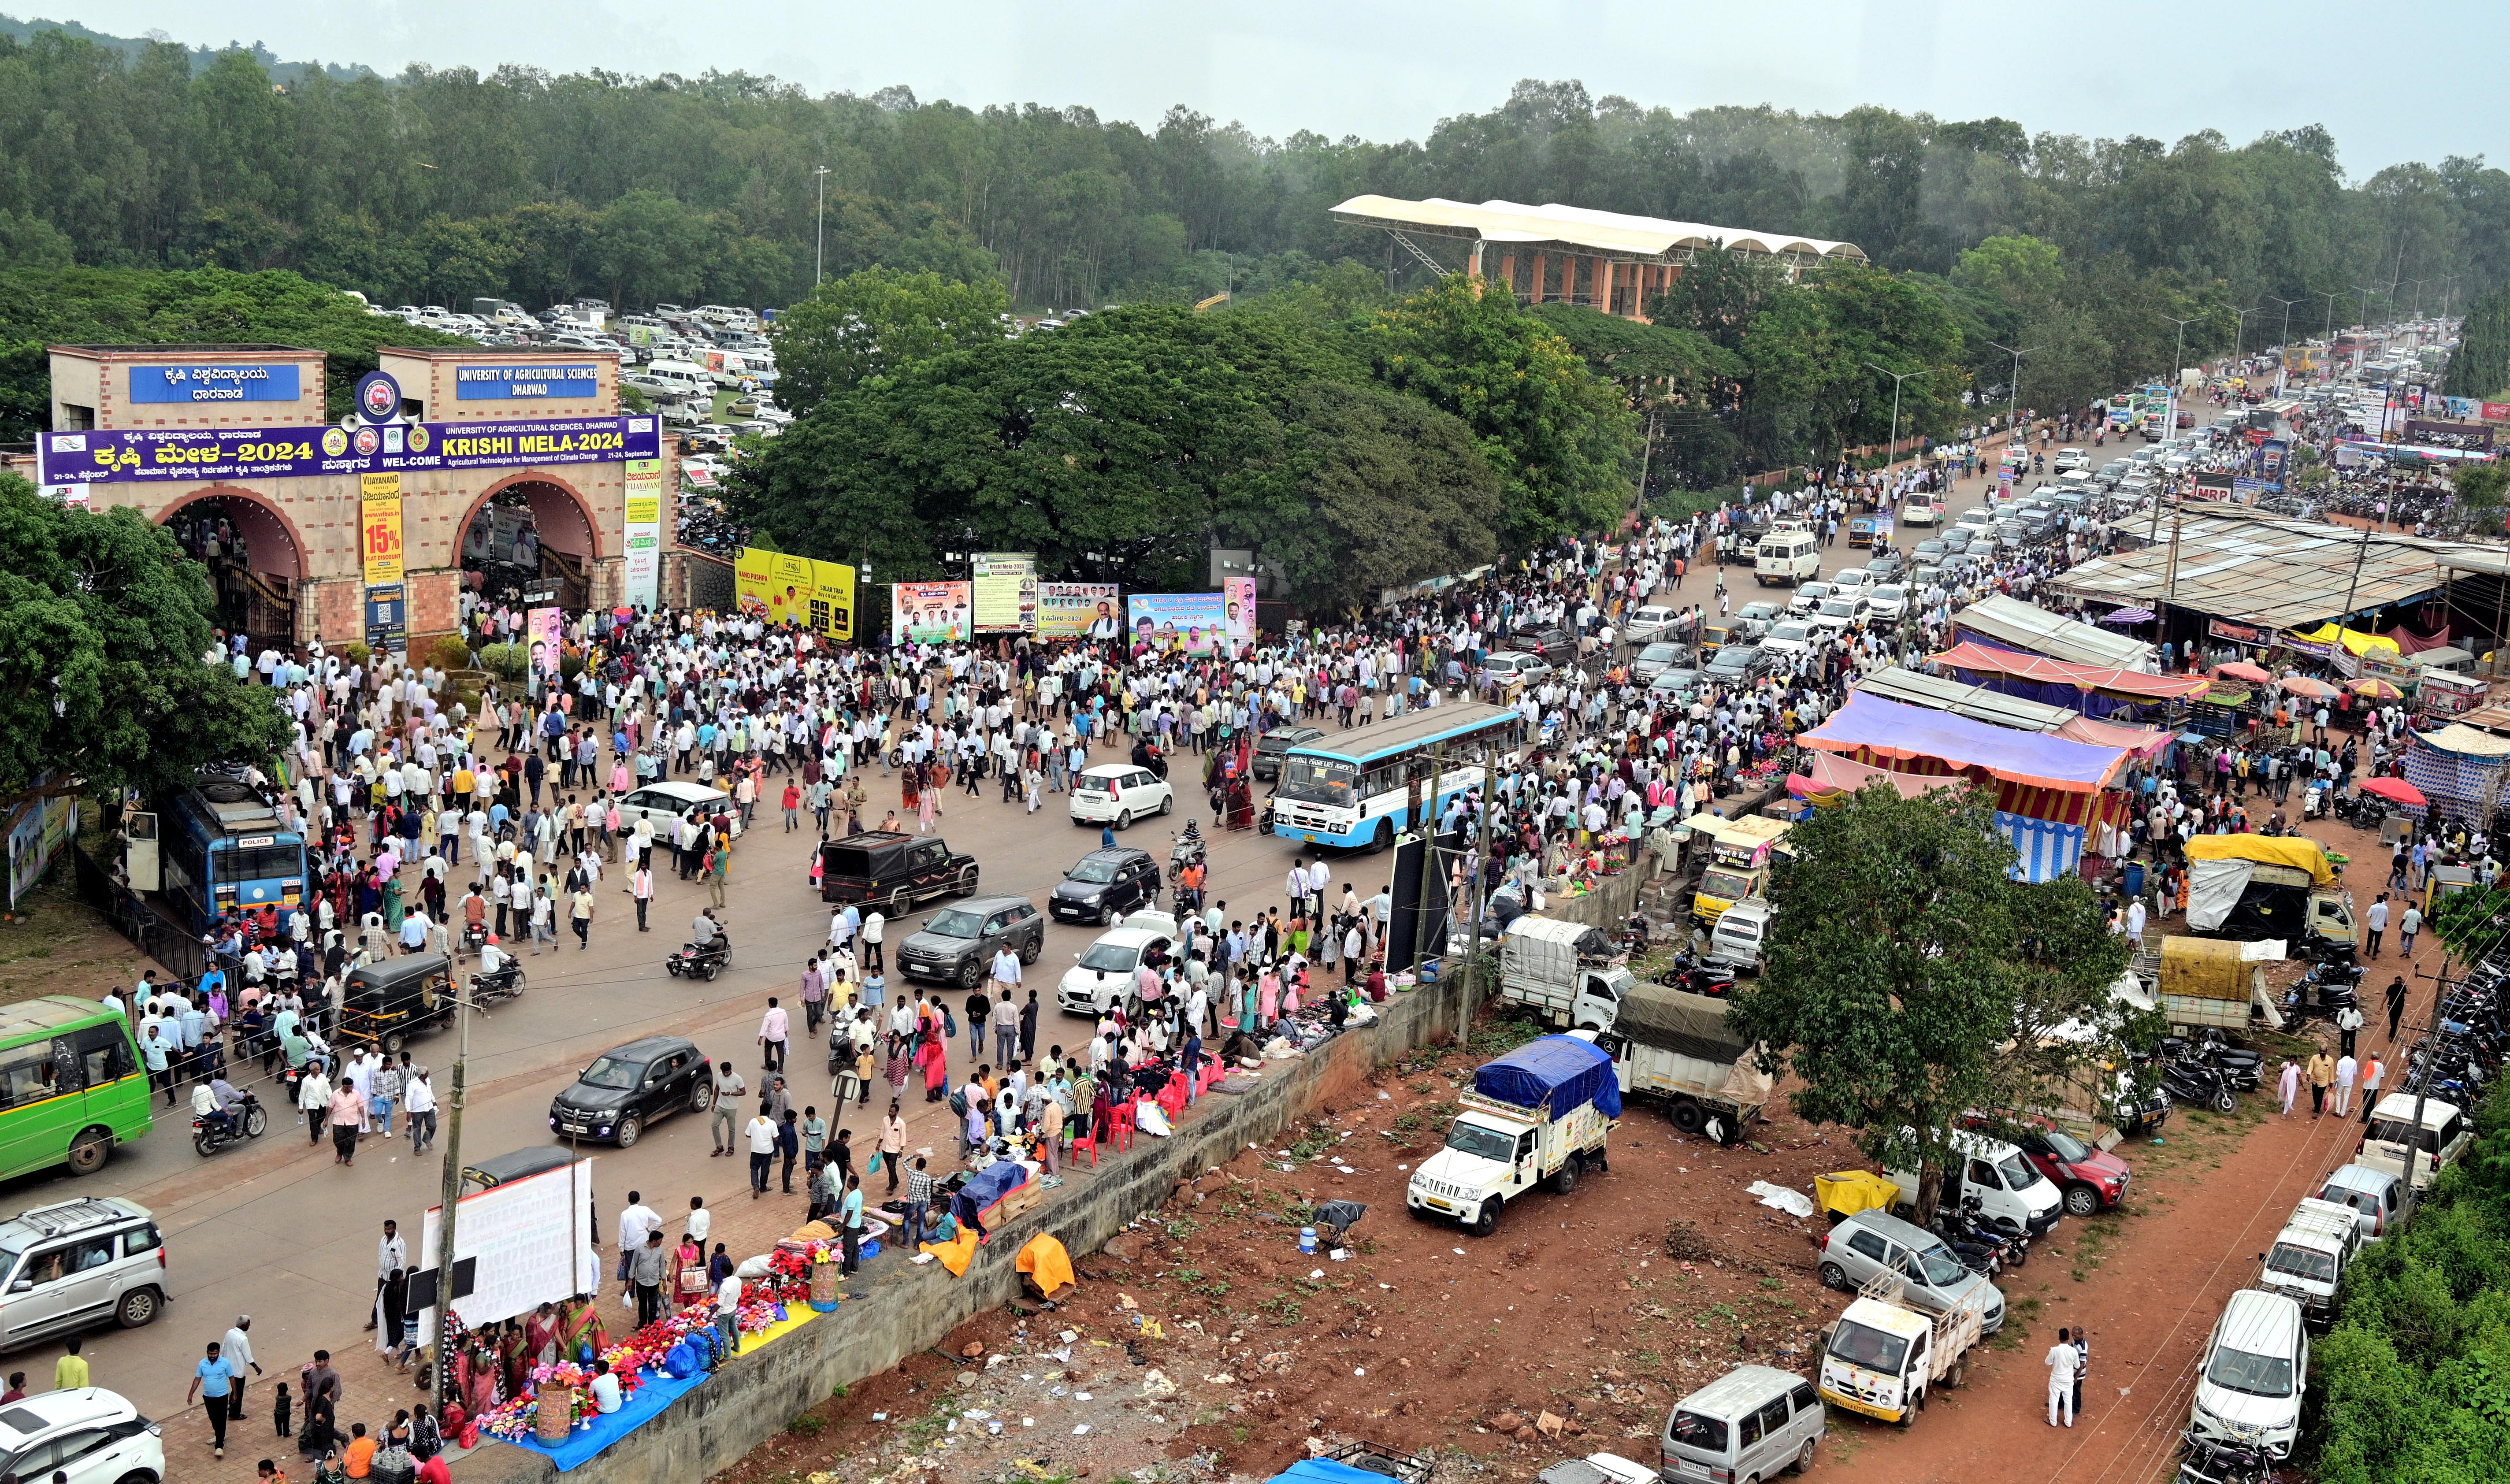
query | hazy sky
(1391,71)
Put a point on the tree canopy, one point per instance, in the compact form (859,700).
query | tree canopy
(104,623)
(875,322)
(1910,978)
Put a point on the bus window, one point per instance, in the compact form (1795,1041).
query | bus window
(105,1054)
(65,1070)
(26,1074)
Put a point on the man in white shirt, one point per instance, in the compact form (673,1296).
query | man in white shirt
(762,1151)
(726,1310)
(872,925)
(774,1030)
(418,1101)
(2062,1361)
(635,1222)
(392,1254)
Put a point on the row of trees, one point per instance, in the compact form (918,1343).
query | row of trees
(442,183)
(1359,451)
(2480,366)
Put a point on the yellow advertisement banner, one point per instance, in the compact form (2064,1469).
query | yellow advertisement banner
(1006,591)
(818,595)
(379,527)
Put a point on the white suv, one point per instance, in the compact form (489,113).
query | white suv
(90,1435)
(1117,794)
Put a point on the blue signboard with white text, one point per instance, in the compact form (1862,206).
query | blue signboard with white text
(213,383)
(525,383)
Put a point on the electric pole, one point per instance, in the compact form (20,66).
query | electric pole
(2013,388)
(450,1194)
(820,259)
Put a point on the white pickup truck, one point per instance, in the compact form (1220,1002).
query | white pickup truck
(1884,1354)
(1568,972)
(1539,1114)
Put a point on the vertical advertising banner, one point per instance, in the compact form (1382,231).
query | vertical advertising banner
(1075,610)
(1194,622)
(1004,591)
(379,524)
(547,645)
(644,575)
(929,613)
(1237,594)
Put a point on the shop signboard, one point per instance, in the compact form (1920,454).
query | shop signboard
(379,527)
(526,383)
(163,455)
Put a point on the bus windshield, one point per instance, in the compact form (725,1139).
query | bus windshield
(1728,886)
(1319,780)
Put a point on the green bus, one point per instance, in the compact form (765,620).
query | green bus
(71,1085)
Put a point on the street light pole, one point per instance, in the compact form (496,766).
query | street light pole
(1892,453)
(2331,296)
(2013,388)
(819,261)
(2179,351)
(450,1194)
(2283,347)
(2240,330)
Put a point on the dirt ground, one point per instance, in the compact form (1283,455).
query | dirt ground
(55,944)
(1576,1325)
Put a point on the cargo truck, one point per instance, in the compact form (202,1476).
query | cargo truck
(1675,1046)
(1567,973)
(2215,981)
(1884,1356)
(1539,1114)
(2268,887)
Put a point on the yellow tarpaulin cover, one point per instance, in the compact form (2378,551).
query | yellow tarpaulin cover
(2266,850)
(956,1255)
(1853,1191)
(1045,1259)
(2355,640)
(798,1316)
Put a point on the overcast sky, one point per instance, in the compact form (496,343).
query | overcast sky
(1391,70)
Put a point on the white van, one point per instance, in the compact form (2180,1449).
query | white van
(2446,1133)
(1921,509)
(681,378)
(1754,1421)
(1740,931)
(2010,1189)
(2256,1361)
(1786,557)
(2309,1256)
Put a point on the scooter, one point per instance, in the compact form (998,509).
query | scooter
(208,1136)
(2243,1068)
(1699,976)
(694,962)
(473,935)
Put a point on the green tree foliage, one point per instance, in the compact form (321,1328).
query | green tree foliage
(2480,366)
(1119,447)
(1563,442)
(104,623)
(89,306)
(875,321)
(1909,980)
(2414,1382)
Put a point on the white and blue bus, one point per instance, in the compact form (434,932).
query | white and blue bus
(225,851)
(1362,787)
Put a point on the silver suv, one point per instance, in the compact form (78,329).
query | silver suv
(78,1264)
(1869,1242)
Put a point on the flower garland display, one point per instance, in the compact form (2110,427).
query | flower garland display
(647,1349)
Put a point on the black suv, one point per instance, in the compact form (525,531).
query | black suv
(1269,747)
(892,870)
(1106,884)
(630,1087)
(956,944)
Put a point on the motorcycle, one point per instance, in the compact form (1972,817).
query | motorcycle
(694,962)
(474,935)
(209,1136)
(2218,1460)
(1184,849)
(505,983)
(2243,1068)
(2193,1081)
(1698,976)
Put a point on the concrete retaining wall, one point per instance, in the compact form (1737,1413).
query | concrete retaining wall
(908,1307)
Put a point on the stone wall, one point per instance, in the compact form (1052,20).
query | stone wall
(907,1307)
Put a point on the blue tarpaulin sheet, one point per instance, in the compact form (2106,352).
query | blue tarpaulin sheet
(1325,1471)
(586,1443)
(985,1187)
(1566,1070)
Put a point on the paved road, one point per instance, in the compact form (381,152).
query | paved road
(277,1230)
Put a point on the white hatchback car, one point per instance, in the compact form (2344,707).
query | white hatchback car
(90,1435)
(1117,794)
(690,801)
(1102,977)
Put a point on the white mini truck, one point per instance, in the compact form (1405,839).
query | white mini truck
(1541,1114)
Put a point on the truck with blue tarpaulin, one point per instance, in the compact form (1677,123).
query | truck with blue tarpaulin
(1541,1115)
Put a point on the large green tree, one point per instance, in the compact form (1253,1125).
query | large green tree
(1910,978)
(1563,441)
(875,321)
(103,625)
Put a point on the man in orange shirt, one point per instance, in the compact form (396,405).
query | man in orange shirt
(360,1461)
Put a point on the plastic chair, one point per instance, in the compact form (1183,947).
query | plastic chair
(1121,1124)
(1172,1097)
(1083,1144)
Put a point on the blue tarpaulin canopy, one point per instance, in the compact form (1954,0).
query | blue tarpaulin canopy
(1566,1070)
(1325,1471)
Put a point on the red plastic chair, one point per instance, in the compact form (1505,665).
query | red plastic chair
(1121,1125)
(1083,1144)
(1172,1096)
